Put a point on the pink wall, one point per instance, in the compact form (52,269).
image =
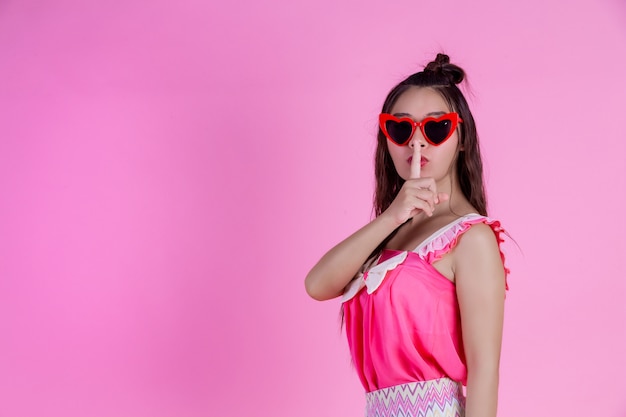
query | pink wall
(169,171)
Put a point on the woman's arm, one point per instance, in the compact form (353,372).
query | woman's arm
(480,287)
(339,265)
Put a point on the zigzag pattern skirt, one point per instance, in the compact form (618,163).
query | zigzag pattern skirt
(436,398)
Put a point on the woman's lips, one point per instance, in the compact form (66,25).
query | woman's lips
(423,161)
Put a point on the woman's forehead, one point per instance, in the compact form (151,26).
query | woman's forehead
(420,102)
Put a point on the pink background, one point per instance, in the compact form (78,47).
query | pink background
(169,171)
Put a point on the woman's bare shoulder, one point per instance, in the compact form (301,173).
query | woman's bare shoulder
(478,238)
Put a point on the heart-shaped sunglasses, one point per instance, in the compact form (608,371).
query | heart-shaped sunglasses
(436,130)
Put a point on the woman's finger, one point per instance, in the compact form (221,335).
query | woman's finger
(416,162)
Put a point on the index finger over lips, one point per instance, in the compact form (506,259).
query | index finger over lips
(416,162)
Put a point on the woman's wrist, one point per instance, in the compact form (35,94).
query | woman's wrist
(388,221)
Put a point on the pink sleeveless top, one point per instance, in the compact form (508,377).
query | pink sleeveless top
(406,326)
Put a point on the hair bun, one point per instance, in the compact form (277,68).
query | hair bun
(442,66)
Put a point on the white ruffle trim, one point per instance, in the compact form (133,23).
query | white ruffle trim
(443,237)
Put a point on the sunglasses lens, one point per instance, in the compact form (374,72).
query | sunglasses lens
(438,132)
(399,132)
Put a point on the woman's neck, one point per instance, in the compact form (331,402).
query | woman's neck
(456,204)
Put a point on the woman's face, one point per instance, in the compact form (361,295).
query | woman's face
(437,161)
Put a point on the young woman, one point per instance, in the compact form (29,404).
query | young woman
(423,284)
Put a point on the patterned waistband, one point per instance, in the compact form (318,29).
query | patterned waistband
(436,398)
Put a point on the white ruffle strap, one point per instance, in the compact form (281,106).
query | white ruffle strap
(442,238)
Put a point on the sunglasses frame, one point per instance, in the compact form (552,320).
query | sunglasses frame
(452,117)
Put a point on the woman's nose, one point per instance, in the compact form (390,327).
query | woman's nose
(417,139)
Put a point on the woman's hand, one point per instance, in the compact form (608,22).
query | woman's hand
(416,195)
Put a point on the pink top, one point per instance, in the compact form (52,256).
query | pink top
(406,327)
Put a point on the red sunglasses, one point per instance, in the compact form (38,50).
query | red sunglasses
(436,130)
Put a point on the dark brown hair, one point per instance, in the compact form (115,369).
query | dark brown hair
(443,77)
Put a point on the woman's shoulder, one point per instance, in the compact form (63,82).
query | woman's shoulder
(478,231)
(481,242)
(478,236)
